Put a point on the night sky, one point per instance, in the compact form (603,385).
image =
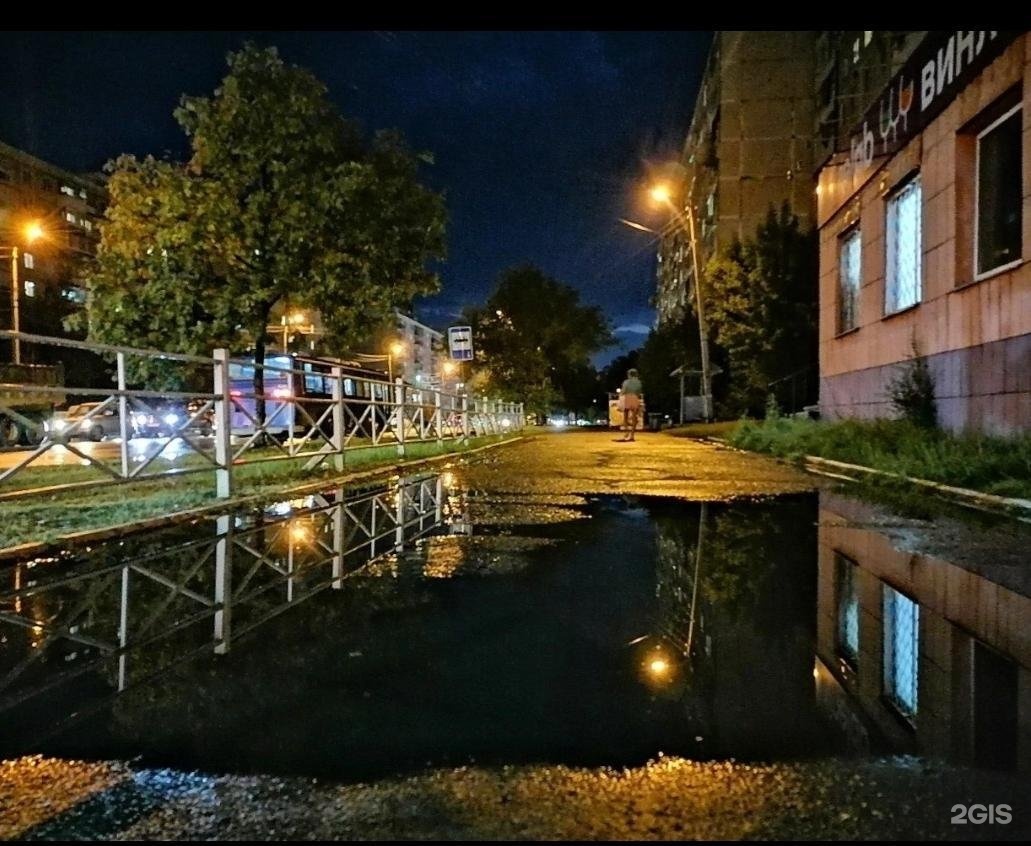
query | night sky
(540,139)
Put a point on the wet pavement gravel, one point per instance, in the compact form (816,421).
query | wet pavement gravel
(541,480)
(671,798)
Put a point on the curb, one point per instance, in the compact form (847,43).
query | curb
(1009,506)
(32,549)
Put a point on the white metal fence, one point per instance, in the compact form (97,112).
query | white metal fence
(311,417)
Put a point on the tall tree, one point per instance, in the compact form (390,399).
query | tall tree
(281,200)
(534,339)
(761,307)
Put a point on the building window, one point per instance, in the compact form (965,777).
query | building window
(998,220)
(849,279)
(902,273)
(88,224)
(848,610)
(901,651)
(30,261)
(69,217)
(30,288)
(67,189)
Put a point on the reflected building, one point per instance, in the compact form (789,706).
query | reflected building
(917,651)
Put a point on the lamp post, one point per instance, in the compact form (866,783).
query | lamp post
(32,232)
(662,193)
(396,349)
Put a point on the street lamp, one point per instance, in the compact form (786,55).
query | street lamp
(662,193)
(32,231)
(397,349)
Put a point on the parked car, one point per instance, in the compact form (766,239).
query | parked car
(75,423)
(168,417)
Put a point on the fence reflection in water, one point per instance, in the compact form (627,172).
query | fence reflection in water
(124,616)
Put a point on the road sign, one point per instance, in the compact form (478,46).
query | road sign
(460,342)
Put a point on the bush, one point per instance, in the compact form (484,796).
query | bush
(912,392)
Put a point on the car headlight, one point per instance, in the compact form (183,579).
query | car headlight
(60,425)
(171,419)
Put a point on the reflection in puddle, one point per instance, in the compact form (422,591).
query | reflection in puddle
(358,633)
(918,651)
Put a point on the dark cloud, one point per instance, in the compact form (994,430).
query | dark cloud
(539,139)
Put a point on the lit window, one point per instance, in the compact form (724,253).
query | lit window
(902,282)
(69,217)
(999,219)
(67,189)
(848,610)
(867,37)
(82,193)
(901,651)
(30,260)
(30,288)
(849,280)
(88,224)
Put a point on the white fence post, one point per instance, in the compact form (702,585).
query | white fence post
(338,418)
(465,418)
(438,409)
(399,516)
(123,414)
(399,415)
(123,629)
(223,426)
(223,583)
(338,539)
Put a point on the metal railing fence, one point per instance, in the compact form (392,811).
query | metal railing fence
(314,416)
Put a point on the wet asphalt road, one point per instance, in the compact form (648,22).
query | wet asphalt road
(535,481)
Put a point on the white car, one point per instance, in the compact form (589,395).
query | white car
(74,423)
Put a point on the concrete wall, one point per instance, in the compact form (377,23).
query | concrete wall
(974,332)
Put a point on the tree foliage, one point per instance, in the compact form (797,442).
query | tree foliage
(760,299)
(534,338)
(281,200)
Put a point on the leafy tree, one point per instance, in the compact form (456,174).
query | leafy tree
(761,307)
(534,338)
(280,200)
(669,346)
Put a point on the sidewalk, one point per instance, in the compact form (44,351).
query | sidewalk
(656,464)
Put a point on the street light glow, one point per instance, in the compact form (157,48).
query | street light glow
(661,193)
(658,666)
(33,231)
(450,368)
(397,348)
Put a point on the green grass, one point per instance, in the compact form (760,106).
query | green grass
(719,429)
(993,465)
(46,517)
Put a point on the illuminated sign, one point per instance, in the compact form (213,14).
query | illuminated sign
(943,64)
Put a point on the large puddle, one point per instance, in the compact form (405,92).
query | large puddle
(365,632)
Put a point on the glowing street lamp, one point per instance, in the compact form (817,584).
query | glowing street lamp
(31,232)
(662,193)
(397,349)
